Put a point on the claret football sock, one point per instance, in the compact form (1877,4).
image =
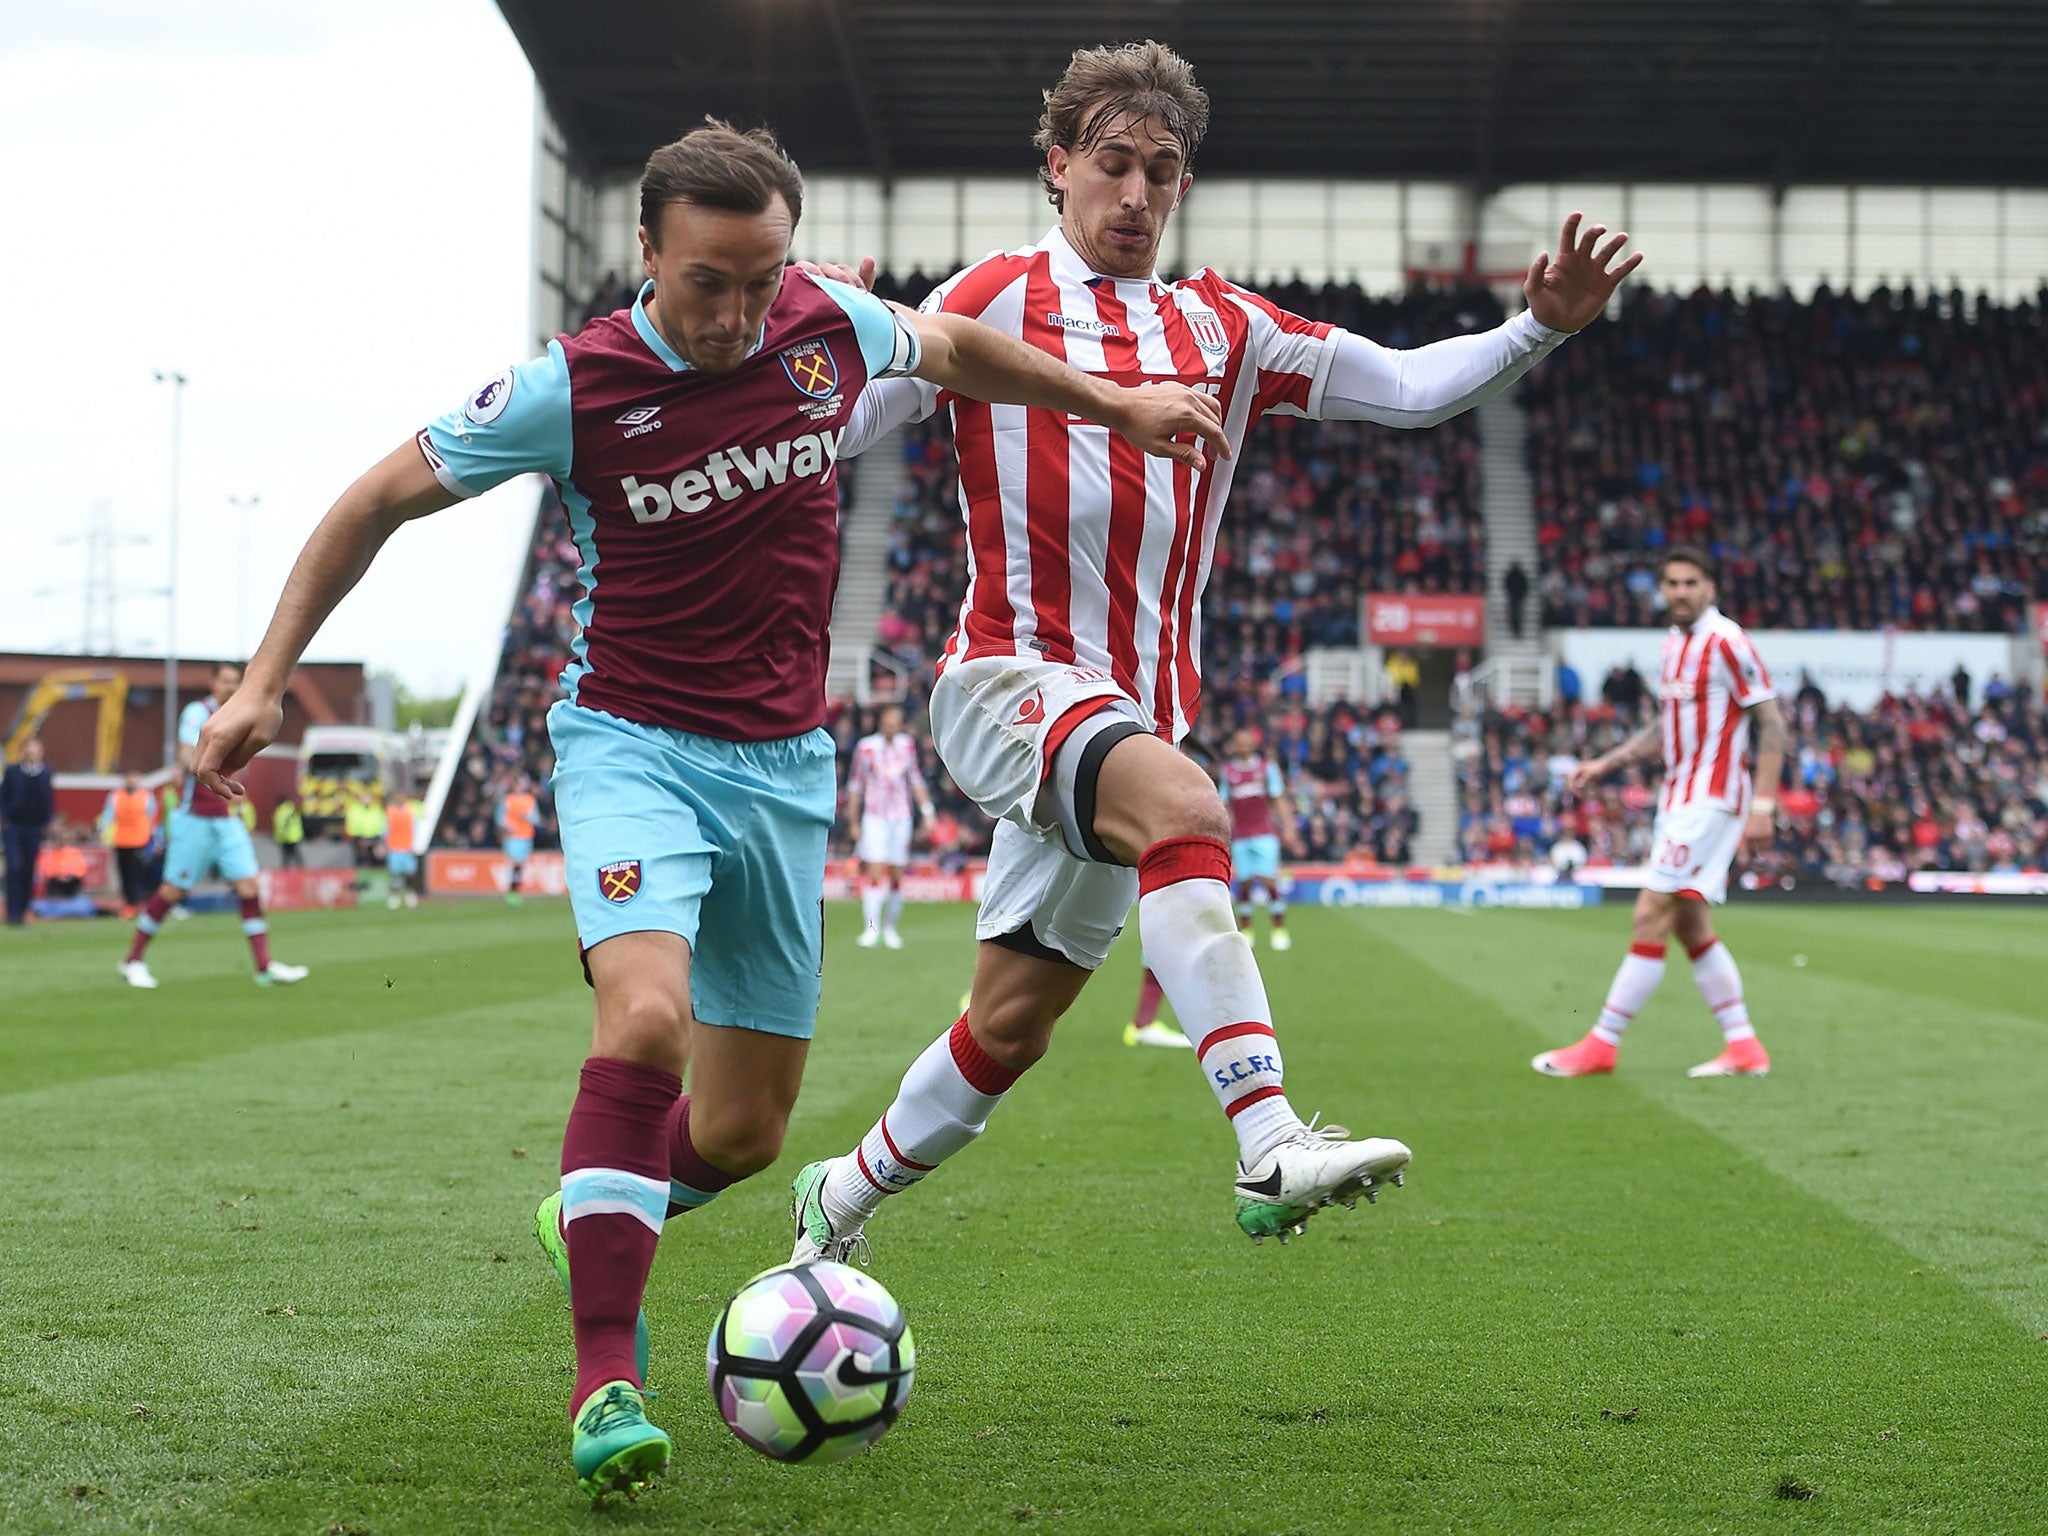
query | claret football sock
(692,1181)
(1150,995)
(1205,964)
(146,926)
(257,931)
(944,1103)
(615,1194)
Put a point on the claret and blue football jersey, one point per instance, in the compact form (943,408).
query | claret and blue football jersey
(705,506)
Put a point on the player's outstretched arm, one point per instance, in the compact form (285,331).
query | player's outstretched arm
(1645,746)
(1423,386)
(982,363)
(395,490)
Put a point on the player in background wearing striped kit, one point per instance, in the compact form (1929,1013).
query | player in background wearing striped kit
(1074,673)
(882,783)
(1712,684)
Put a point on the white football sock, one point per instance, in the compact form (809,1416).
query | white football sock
(1641,969)
(944,1102)
(871,905)
(1189,929)
(1720,983)
(892,909)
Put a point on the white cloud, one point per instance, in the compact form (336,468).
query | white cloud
(326,225)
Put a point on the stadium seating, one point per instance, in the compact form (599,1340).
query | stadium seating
(1916,783)
(1852,463)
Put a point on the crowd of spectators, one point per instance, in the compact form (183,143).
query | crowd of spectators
(1918,782)
(1852,463)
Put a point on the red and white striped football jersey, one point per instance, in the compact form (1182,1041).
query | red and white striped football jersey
(883,773)
(1081,549)
(1710,675)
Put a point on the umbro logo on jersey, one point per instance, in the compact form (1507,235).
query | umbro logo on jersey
(1086,327)
(730,473)
(640,421)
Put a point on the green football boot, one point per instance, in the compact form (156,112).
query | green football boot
(616,1449)
(816,1238)
(547,1231)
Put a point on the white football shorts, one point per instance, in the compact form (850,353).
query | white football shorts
(991,718)
(1692,848)
(884,840)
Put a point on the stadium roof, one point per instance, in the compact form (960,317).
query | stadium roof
(1941,92)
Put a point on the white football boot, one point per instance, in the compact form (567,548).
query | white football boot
(869,938)
(1311,1169)
(136,973)
(892,938)
(280,975)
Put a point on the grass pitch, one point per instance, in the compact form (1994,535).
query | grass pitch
(268,1266)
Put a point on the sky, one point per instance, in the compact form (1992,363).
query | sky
(321,215)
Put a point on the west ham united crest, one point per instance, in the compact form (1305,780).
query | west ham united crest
(619,882)
(811,369)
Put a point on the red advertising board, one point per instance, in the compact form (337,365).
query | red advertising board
(1423,618)
(287,890)
(484,871)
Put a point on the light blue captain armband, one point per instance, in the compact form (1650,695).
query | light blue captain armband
(888,342)
(516,424)
(191,721)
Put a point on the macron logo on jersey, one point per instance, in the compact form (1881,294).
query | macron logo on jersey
(730,473)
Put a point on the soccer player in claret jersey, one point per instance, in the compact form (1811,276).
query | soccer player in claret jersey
(1252,787)
(694,437)
(1712,686)
(207,837)
(1075,669)
(882,785)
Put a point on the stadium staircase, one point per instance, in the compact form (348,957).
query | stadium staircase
(1433,791)
(1518,671)
(864,564)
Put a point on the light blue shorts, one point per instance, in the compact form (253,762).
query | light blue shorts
(201,844)
(402,862)
(518,849)
(1256,858)
(722,842)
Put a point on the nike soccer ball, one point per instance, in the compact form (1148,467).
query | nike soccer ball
(811,1362)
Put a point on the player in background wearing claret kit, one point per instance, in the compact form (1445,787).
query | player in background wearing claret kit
(1253,789)
(694,438)
(882,785)
(204,836)
(1712,685)
(1074,672)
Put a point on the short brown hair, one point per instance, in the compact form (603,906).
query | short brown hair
(1689,554)
(719,166)
(1115,84)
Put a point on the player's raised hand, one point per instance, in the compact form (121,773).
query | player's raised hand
(861,277)
(1568,292)
(1155,416)
(239,729)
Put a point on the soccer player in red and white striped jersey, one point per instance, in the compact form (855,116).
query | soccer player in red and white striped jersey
(882,783)
(1712,687)
(1074,673)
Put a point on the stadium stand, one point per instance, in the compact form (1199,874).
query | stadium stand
(1854,463)
(1916,783)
